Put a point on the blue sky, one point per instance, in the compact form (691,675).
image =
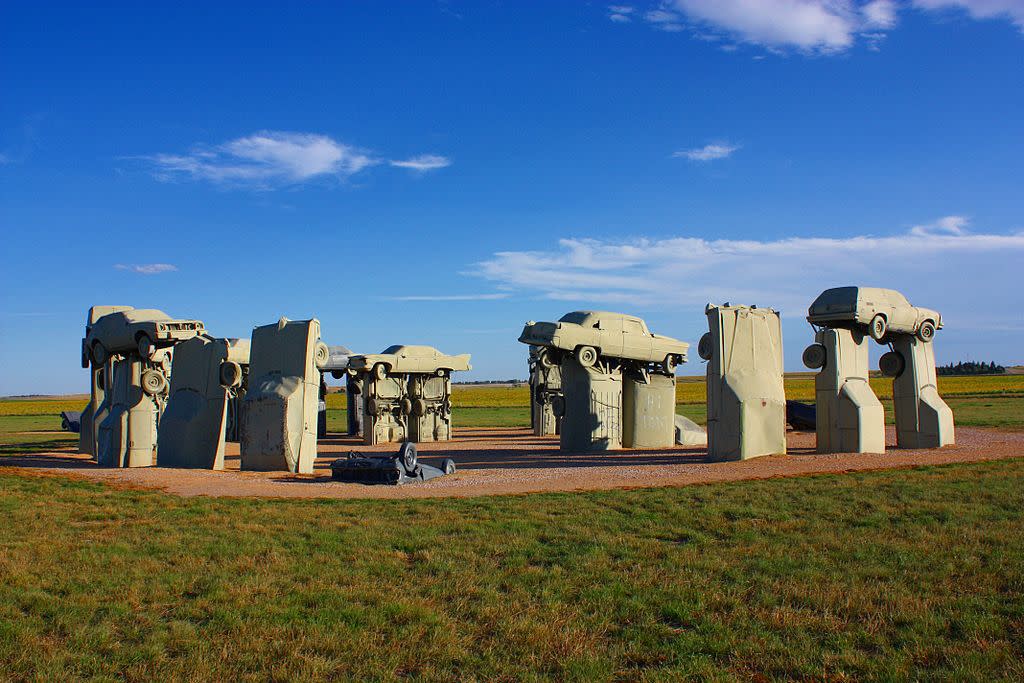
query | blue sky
(442,172)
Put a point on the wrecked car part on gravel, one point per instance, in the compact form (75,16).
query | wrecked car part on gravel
(402,467)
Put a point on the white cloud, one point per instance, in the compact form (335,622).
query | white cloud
(970,276)
(665,20)
(276,158)
(449,297)
(980,9)
(147,268)
(708,152)
(423,162)
(620,13)
(879,14)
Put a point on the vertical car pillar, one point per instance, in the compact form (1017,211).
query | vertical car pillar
(850,418)
(592,407)
(279,413)
(648,409)
(354,384)
(545,391)
(746,398)
(430,397)
(208,375)
(128,433)
(923,420)
(386,408)
(87,421)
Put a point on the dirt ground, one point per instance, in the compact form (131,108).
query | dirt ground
(513,461)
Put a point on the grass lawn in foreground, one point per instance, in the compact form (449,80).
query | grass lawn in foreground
(893,575)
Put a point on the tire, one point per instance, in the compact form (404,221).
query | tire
(878,327)
(419,407)
(815,356)
(892,364)
(380,371)
(153,382)
(440,372)
(586,356)
(538,393)
(704,346)
(85,356)
(448,466)
(337,374)
(544,359)
(99,354)
(407,456)
(230,374)
(926,332)
(145,346)
(372,406)
(558,405)
(321,354)
(407,406)
(670,364)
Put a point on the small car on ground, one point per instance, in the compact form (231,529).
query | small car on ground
(593,334)
(404,359)
(881,311)
(138,329)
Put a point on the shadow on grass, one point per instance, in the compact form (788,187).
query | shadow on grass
(46,446)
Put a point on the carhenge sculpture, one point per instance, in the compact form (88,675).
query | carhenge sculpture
(88,424)
(207,385)
(134,349)
(279,412)
(406,393)
(849,416)
(545,392)
(617,379)
(746,399)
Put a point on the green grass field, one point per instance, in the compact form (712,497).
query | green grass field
(913,574)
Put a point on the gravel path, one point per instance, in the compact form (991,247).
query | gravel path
(513,461)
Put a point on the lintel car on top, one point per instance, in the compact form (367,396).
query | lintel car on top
(881,311)
(136,329)
(402,359)
(593,334)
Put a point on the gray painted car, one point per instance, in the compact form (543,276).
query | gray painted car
(139,329)
(592,334)
(881,311)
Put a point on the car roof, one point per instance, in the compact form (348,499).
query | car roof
(584,317)
(412,350)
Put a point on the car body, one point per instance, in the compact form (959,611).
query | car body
(137,329)
(615,335)
(862,306)
(410,359)
(95,313)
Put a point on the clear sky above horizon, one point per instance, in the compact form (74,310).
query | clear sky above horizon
(441,172)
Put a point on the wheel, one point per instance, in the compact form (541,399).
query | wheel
(153,382)
(440,372)
(99,354)
(145,346)
(544,359)
(448,466)
(586,355)
(538,393)
(407,456)
(230,374)
(85,355)
(380,371)
(419,407)
(926,332)
(704,346)
(878,327)
(321,354)
(407,406)
(558,405)
(814,356)
(373,406)
(337,374)
(670,364)
(891,364)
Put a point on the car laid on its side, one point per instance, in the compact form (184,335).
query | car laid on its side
(402,359)
(881,311)
(138,329)
(590,335)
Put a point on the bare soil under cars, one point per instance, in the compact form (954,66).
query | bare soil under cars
(496,461)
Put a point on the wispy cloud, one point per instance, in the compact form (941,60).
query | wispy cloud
(450,297)
(685,272)
(423,162)
(621,13)
(708,152)
(147,268)
(274,158)
(809,26)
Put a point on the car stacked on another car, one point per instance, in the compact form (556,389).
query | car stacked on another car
(591,335)
(138,329)
(881,311)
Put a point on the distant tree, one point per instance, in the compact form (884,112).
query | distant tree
(971,368)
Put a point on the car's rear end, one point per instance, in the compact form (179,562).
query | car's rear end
(540,334)
(177,330)
(836,305)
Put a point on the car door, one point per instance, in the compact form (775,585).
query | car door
(636,342)
(610,336)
